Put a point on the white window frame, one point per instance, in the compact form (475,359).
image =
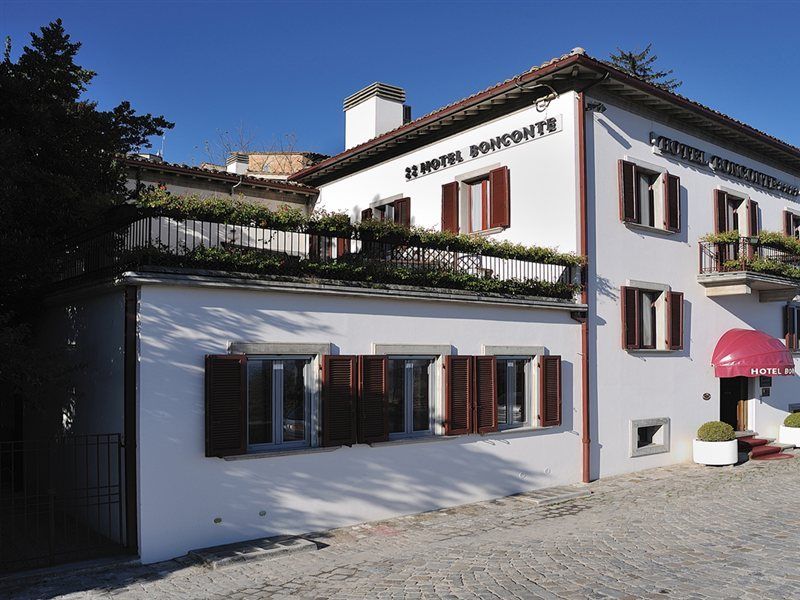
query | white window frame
(408,399)
(464,200)
(658,202)
(527,394)
(277,406)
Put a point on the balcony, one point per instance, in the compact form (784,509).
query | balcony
(301,253)
(767,264)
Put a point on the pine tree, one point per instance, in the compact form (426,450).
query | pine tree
(641,65)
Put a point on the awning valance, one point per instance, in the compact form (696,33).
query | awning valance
(750,353)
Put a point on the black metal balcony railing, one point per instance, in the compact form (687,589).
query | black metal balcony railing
(164,240)
(724,257)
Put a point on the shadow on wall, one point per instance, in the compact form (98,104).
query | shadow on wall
(318,490)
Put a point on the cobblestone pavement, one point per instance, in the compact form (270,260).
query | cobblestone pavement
(679,532)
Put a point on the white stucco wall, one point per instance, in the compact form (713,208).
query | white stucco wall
(633,385)
(542,172)
(182,491)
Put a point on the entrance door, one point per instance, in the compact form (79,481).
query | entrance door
(733,402)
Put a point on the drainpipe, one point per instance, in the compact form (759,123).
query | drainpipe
(586,440)
(241,178)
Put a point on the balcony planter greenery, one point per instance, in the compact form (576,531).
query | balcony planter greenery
(715,444)
(790,430)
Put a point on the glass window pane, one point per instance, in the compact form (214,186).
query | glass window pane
(476,205)
(259,401)
(502,392)
(397,390)
(518,402)
(648,325)
(294,405)
(421,394)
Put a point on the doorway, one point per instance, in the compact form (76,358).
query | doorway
(733,396)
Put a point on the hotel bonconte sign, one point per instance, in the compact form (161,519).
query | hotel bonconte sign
(664,145)
(508,139)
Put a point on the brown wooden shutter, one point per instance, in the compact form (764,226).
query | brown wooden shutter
(458,395)
(675,321)
(485,413)
(627,191)
(342,246)
(402,212)
(339,392)
(549,390)
(790,326)
(787,224)
(630,317)
(226,404)
(752,218)
(499,198)
(672,202)
(720,211)
(366,214)
(450,207)
(373,425)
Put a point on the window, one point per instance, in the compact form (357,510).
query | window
(478,192)
(791,224)
(735,213)
(512,392)
(277,402)
(409,396)
(649,436)
(649,197)
(478,204)
(790,323)
(652,319)
(397,211)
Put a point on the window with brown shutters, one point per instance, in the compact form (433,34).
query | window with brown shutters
(450,207)
(458,395)
(791,224)
(499,198)
(648,197)
(339,399)
(226,404)
(485,406)
(675,321)
(790,326)
(651,319)
(398,211)
(549,390)
(753,227)
(373,425)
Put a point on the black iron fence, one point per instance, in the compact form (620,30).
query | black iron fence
(721,257)
(61,499)
(148,240)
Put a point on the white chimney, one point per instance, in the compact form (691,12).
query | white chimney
(374,110)
(237,163)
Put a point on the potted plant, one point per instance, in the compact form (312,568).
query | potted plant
(790,430)
(715,444)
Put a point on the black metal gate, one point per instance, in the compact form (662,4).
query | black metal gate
(61,499)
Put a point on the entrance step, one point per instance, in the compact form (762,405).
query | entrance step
(762,448)
(260,549)
(557,494)
(748,433)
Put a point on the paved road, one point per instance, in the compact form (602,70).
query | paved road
(678,532)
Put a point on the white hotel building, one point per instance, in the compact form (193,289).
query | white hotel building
(257,406)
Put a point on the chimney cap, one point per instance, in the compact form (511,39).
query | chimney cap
(378,89)
(236,157)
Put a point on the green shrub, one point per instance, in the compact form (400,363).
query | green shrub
(715,431)
(793,420)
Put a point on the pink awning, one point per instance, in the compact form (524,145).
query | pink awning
(750,353)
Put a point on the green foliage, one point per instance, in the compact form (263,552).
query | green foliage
(237,212)
(641,64)
(793,420)
(725,237)
(59,172)
(768,266)
(715,431)
(371,273)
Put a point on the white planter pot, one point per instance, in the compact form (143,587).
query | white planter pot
(715,453)
(789,435)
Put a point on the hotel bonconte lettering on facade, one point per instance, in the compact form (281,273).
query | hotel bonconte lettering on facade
(534,131)
(759,371)
(666,145)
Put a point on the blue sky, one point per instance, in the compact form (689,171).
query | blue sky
(283,68)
